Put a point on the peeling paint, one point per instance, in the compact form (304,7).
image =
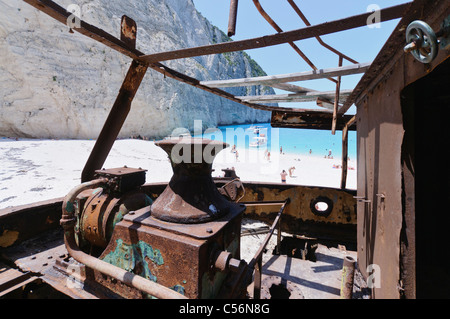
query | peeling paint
(8,238)
(135,258)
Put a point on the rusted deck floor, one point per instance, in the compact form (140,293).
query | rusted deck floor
(283,276)
(294,278)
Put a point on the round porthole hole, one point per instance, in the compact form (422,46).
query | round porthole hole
(321,206)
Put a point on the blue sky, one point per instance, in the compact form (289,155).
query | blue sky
(361,44)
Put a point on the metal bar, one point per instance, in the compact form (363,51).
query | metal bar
(336,100)
(295,97)
(260,251)
(277,248)
(279,30)
(345,151)
(352,22)
(115,120)
(305,20)
(265,203)
(290,77)
(60,14)
(257,280)
(232,18)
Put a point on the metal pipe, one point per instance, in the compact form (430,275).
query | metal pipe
(128,278)
(232,18)
(348,271)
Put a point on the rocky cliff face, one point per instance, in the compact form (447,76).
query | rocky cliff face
(56,84)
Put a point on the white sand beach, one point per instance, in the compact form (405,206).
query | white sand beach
(34,170)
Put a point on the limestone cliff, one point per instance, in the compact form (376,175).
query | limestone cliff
(57,84)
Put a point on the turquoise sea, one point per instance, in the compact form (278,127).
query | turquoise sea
(297,141)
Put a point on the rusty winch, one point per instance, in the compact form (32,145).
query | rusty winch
(187,240)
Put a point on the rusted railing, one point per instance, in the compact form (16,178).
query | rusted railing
(256,261)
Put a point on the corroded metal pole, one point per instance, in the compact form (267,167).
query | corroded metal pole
(232,18)
(348,271)
(115,120)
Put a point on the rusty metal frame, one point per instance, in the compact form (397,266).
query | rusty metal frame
(352,22)
(256,261)
(232,17)
(279,30)
(141,62)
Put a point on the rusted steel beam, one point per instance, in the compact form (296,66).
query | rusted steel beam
(128,31)
(115,120)
(319,120)
(305,20)
(356,21)
(232,18)
(345,151)
(279,30)
(60,14)
(336,100)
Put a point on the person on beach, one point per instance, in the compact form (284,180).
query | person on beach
(291,171)
(268,156)
(283,175)
(281,149)
(237,155)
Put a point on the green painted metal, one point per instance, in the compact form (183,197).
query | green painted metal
(136,257)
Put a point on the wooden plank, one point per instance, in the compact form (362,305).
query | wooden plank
(295,97)
(115,120)
(291,88)
(270,80)
(356,21)
(325,103)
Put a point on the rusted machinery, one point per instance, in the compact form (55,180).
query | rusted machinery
(188,239)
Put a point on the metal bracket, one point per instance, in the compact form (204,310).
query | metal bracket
(444,34)
(362,199)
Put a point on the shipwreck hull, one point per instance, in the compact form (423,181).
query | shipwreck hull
(33,251)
